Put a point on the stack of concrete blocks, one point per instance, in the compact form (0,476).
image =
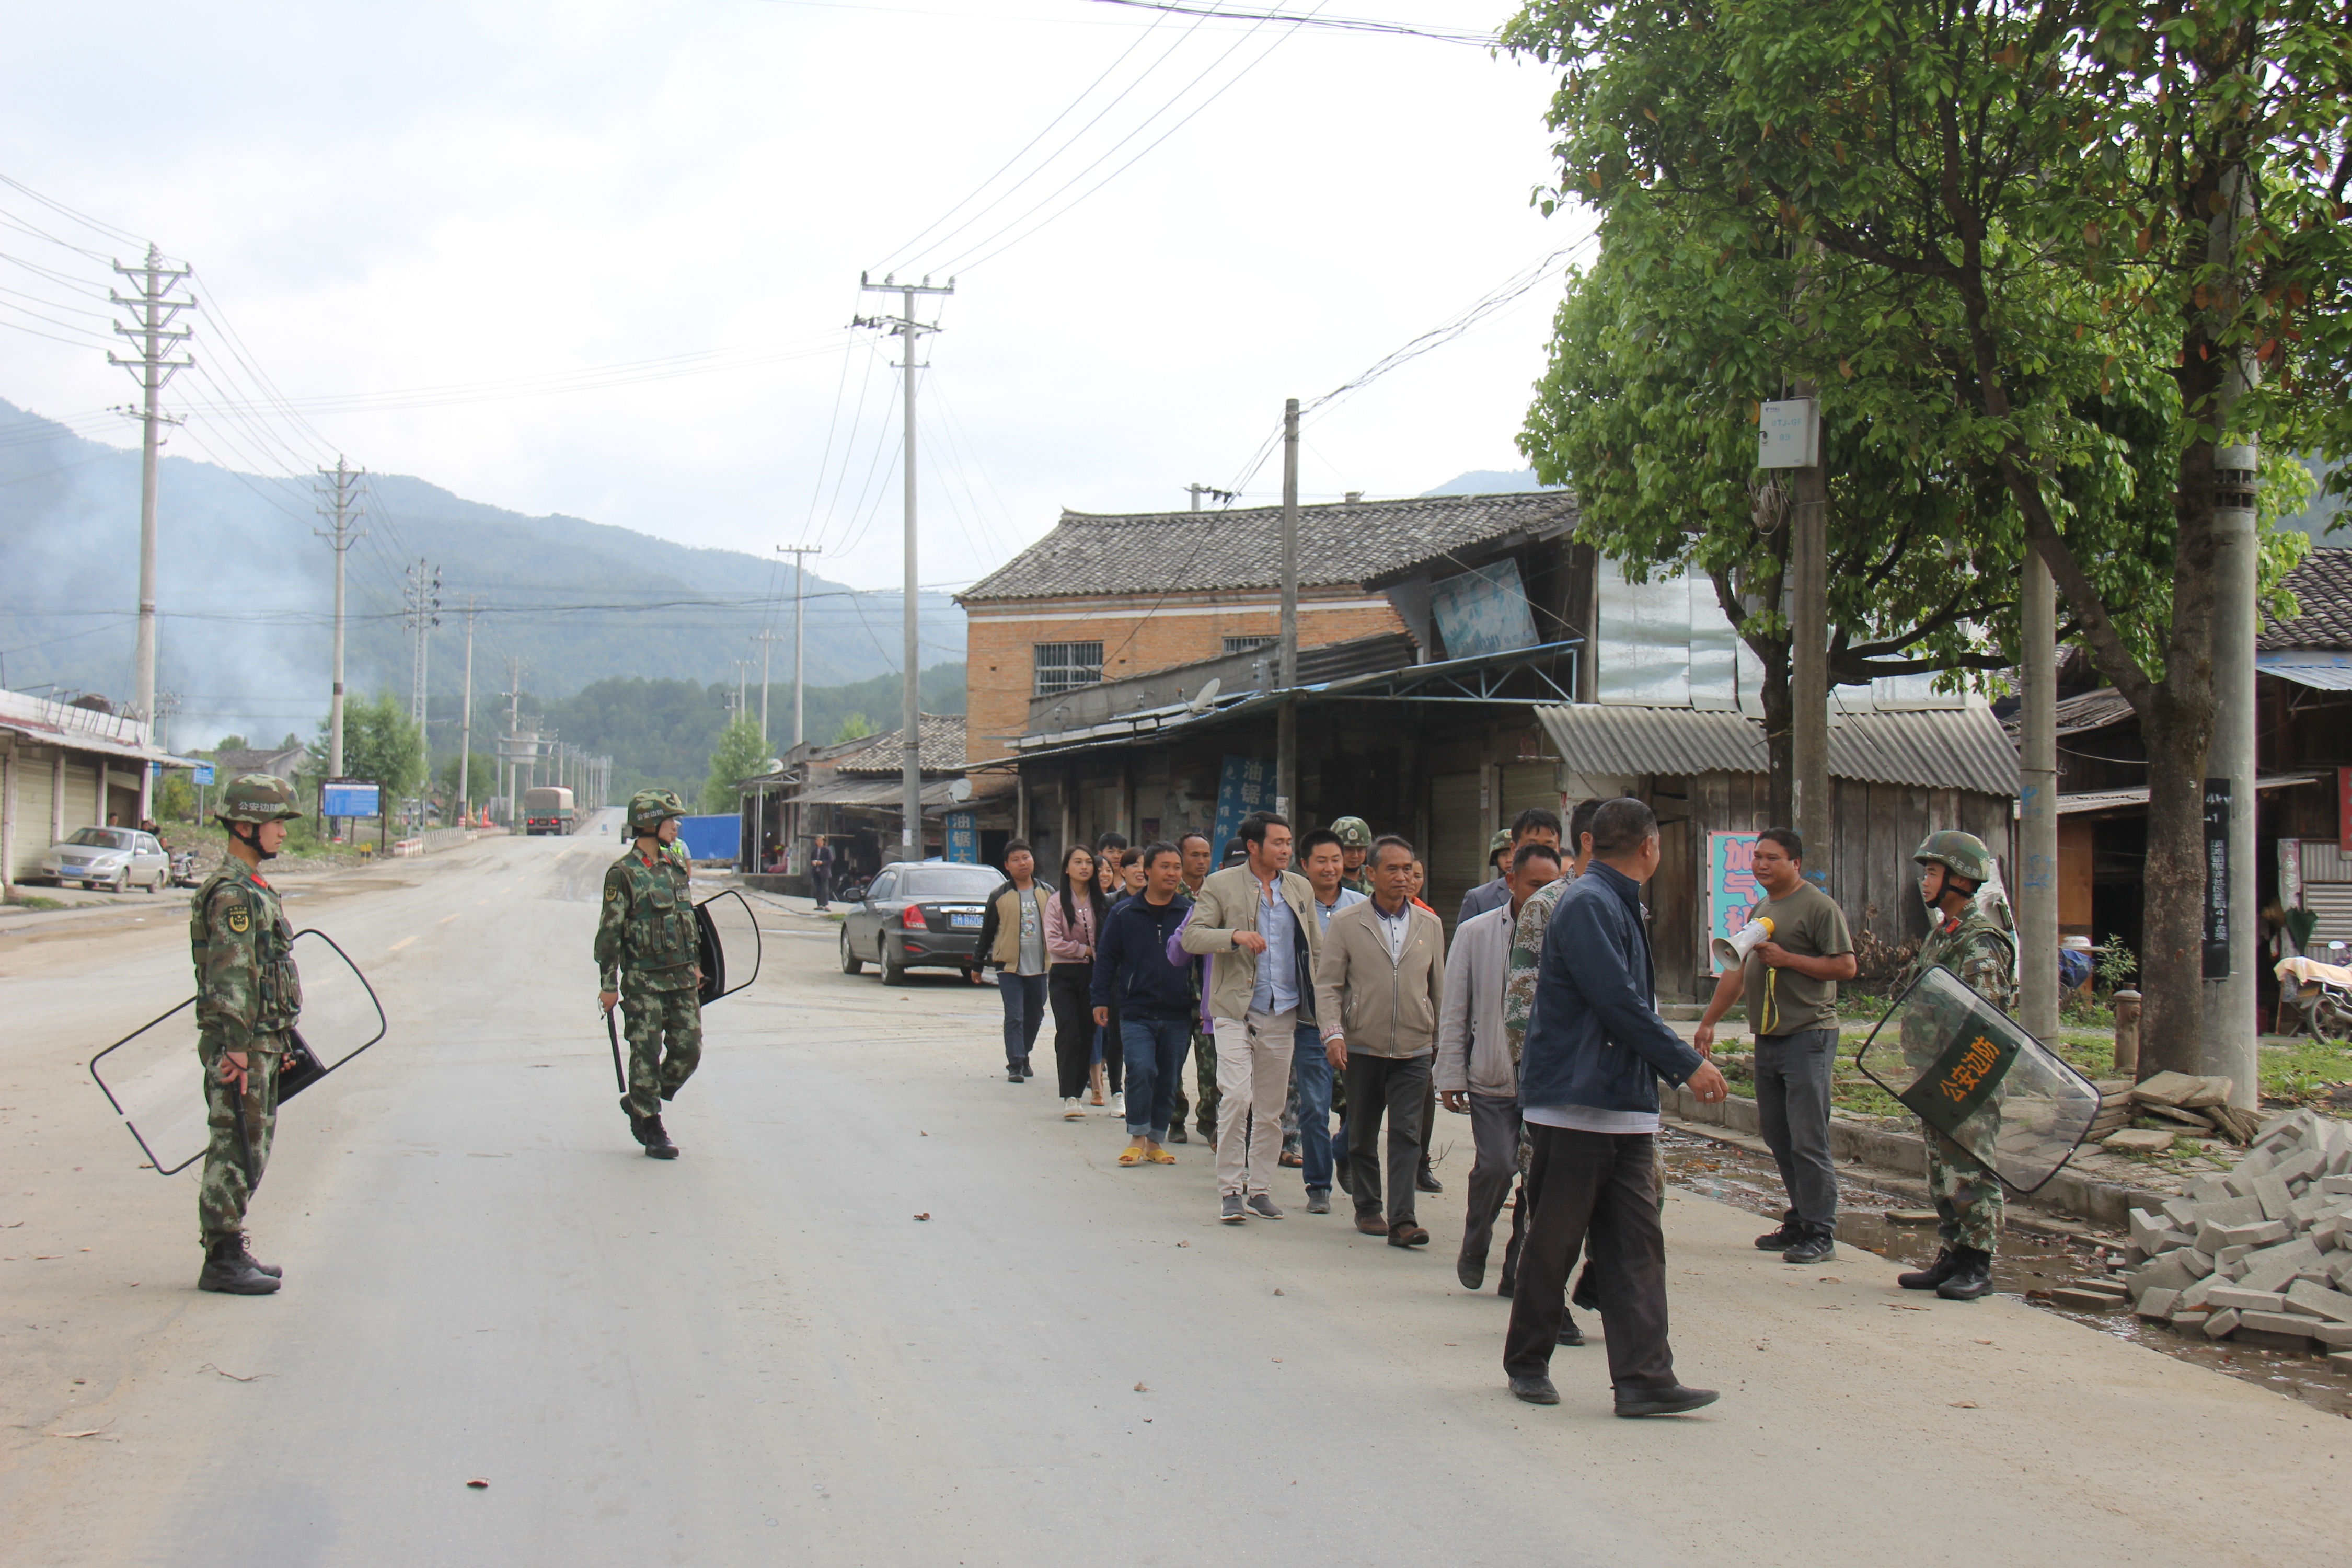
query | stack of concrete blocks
(2262,1256)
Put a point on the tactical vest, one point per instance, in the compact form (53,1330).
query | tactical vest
(279,1000)
(661,929)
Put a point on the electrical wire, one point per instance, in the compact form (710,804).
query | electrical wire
(1340,24)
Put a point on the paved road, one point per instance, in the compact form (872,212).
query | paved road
(756,1353)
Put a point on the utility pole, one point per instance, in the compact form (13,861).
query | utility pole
(150,330)
(465,720)
(339,498)
(513,747)
(1197,492)
(1809,653)
(2037,802)
(1286,745)
(910,739)
(742,683)
(800,641)
(767,641)
(424,613)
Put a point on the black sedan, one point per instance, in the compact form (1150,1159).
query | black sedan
(913,916)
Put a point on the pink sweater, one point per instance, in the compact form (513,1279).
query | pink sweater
(1070,941)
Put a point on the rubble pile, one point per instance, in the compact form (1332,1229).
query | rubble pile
(2260,1257)
(2146,1117)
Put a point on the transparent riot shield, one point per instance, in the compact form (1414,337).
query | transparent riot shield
(728,937)
(155,1080)
(1971,1072)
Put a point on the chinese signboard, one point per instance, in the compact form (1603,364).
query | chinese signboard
(1732,894)
(2217,879)
(963,838)
(1246,785)
(1484,610)
(350,797)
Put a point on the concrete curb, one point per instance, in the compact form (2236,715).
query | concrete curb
(2104,1203)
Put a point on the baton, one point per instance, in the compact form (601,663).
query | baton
(236,1114)
(620,1078)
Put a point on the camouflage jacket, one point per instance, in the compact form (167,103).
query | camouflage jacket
(1526,954)
(248,992)
(646,929)
(1974,947)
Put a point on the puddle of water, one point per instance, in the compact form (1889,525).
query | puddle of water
(2028,1263)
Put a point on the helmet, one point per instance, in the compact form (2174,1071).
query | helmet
(1353,833)
(649,808)
(1502,840)
(1962,854)
(256,797)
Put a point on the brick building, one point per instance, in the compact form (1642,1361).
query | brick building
(1107,599)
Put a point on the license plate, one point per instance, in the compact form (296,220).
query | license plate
(964,921)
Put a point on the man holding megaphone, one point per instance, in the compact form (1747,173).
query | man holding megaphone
(1786,960)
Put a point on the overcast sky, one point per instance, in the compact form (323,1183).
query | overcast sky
(442,195)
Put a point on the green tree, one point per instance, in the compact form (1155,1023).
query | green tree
(2079,196)
(738,756)
(854,726)
(175,799)
(380,742)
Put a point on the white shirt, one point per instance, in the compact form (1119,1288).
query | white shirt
(1394,928)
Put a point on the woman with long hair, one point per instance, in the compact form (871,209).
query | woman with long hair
(1074,917)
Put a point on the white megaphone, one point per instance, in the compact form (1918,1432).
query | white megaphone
(1731,951)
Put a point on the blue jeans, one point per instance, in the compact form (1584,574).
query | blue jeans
(1024,1013)
(1311,1069)
(1154,1048)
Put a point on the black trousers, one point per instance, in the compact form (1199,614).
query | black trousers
(1398,1087)
(1069,989)
(1599,1191)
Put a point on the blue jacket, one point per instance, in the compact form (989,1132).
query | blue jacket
(1131,954)
(1596,1040)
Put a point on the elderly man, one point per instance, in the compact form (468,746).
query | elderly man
(1588,1091)
(1475,1072)
(1379,988)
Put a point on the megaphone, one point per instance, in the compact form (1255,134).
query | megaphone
(1731,951)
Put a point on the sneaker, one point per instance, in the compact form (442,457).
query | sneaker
(1789,1234)
(1117,1104)
(1230,1209)
(1012,1073)
(1072,1110)
(1818,1245)
(1263,1206)
(1318,1200)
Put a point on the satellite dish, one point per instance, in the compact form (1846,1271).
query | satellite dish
(773,765)
(1208,694)
(959,790)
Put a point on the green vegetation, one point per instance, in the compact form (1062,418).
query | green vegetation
(2304,1073)
(380,742)
(739,755)
(853,727)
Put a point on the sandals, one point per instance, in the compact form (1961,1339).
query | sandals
(1130,1157)
(1159,1156)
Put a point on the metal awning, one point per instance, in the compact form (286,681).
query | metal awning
(80,741)
(881,793)
(1950,748)
(2117,799)
(2318,677)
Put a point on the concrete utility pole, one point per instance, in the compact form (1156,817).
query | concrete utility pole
(2231,1047)
(1808,655)
(800,640)
(2037,803)
(338,497)
(767,640)
(512,748)
(1197,492)
(465,720)
(910,740)
(1285,741)
(150,330)
(742,688)
(424,614)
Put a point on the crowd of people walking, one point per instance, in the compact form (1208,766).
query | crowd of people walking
(1306,979)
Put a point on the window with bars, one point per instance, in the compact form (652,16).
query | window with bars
(1066,665)
(1249,644)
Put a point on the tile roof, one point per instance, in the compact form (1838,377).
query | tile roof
(1939,749)
(2322,585)
(942,749)
(1185,552)
(2081,713)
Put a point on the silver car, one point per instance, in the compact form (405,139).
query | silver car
(119,858)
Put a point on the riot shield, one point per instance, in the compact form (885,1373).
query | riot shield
(1972,1073)
(154,1081)
(729,938)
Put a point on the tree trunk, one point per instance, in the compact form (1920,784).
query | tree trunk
(1779,744)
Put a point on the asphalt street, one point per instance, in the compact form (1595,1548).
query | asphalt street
(891,1310)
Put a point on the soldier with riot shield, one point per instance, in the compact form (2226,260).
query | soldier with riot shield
(248,997)
(1969,941)
(646,947)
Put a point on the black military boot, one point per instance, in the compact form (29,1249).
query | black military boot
(229,1268)
(1947,1264)
(1971,1276)
(655,1140)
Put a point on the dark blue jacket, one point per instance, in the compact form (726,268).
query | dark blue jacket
(1596,1040)
(1132,955)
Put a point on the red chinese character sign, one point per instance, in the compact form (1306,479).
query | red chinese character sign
(1732,894)
(1972,1073)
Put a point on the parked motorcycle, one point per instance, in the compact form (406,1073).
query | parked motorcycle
(2319,993)
(184,869)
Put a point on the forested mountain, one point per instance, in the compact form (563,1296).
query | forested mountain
(247,593)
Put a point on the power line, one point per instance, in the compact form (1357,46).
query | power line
(1340,24)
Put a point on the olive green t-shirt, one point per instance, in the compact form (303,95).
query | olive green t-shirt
(1809,923)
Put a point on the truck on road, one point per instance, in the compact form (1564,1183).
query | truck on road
(546,810)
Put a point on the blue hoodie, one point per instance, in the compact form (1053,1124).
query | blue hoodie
(1596,1040)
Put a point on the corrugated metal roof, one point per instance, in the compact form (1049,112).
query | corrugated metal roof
(2318,677)
(1939,749)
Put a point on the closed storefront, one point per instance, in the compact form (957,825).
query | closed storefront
(1456,851)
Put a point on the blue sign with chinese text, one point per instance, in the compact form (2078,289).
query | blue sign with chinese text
(963,838)
(350,797)
(203,774)
(1246,785)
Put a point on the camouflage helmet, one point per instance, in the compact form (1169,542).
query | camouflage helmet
(256,797)
(649,808)
(1353,833)
(1962,854)
(1502,840)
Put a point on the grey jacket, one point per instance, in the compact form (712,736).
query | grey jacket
(1473,1055)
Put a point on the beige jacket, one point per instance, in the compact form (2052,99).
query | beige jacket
(1380,1006)
(1227,902)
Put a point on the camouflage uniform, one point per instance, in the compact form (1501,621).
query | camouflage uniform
(1355,833)
(248,996)
(647,946)
(1969,1202)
